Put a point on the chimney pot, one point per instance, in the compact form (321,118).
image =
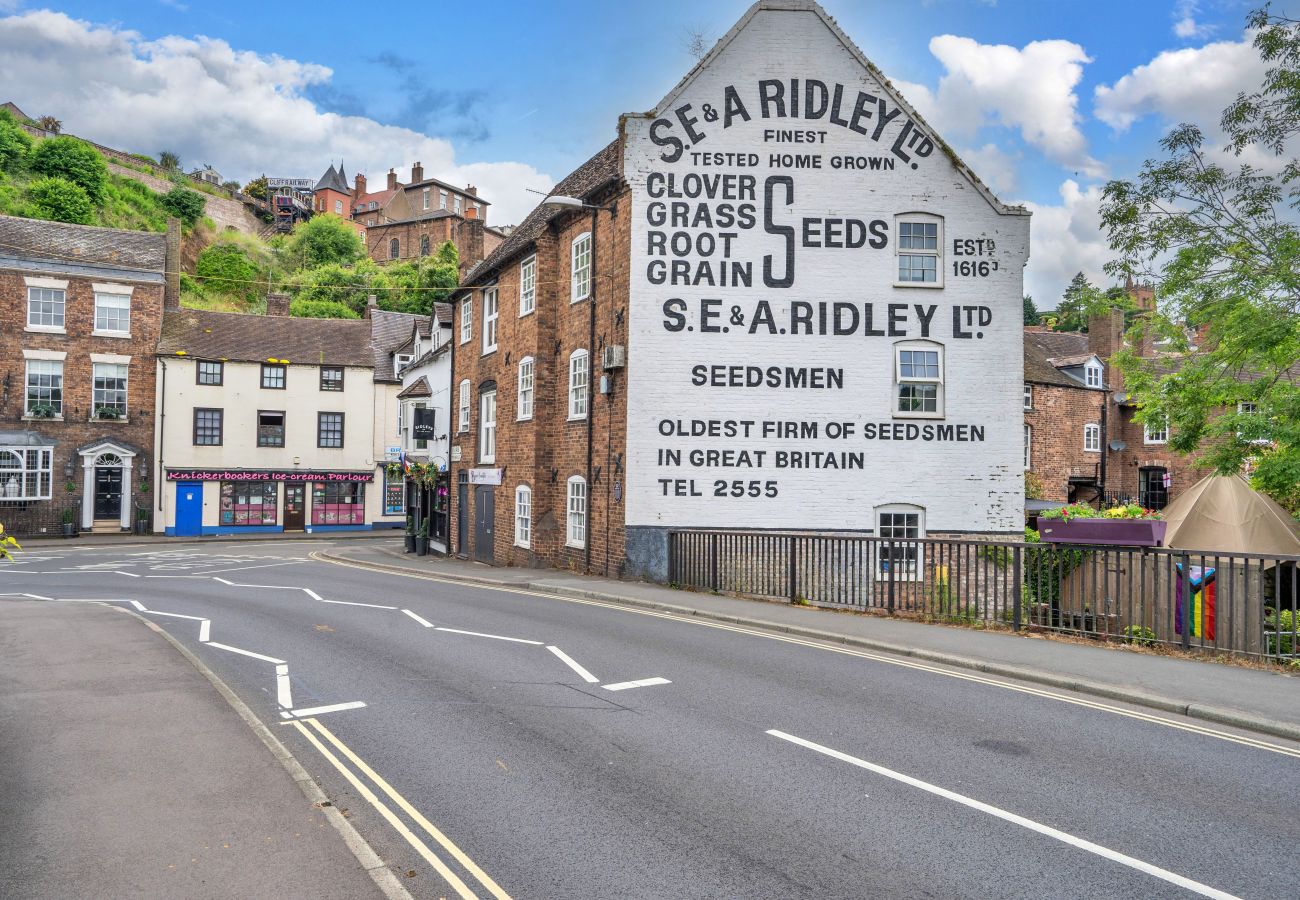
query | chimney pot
(392,180)
(471,190)
(417,173)
(277,304)
(372,302)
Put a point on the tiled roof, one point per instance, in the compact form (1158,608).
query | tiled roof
(388,331)
(83,244)
(1059,343)
(249,338)
(418,388)
(444,312)
(450,187)
(1077,359)
(1039,370)
(333,180)
(589,177)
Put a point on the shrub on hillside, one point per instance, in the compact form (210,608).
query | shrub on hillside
(73,160)
(325,239)
(225,268)
(15,143)
(60,200)
(334,283)
(184,204)
(321,309)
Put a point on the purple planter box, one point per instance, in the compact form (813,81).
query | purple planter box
(1128,532)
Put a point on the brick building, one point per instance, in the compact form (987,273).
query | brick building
(705,329)
(80,315)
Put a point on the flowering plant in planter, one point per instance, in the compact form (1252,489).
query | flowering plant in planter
(1084,511)
(1079,523)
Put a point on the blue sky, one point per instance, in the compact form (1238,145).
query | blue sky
(513,95)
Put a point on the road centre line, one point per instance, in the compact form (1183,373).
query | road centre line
(321,710)
(572,664)
(154,612)
(242,568)
(850,651)
(398,825)
(644,682)
(270,659)
(354,603)
(459,855)
(1046,830)
(205,631)
(495,637)
(283,691)
(425,622)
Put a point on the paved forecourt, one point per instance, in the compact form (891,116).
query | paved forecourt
(523,745)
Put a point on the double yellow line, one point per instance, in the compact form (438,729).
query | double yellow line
(415,840)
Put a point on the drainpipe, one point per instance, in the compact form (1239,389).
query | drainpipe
(1105,441)
(591,388)
(453,397)
(162,435)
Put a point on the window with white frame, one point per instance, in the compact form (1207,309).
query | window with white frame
(400,362)
(455,203)
(525,404)
(528,286)
(1029,396)
(580,268)
(1092,374)
(462,421)
(918,374)
(903,526)
(109,390)
(487,426)
(338,207)
(425,194)
(578,369)
(44,388)
(920,250)
(401,421)
(1029,443)
(112,313)
(523,516)
(490,313)
(442,199)
(1092,437)
(1249,409)
(1156,434)
(26,473)
(576,533)
(466,320)
(45,307)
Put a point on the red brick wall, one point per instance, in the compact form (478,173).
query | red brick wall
(545,452)
(1057,420)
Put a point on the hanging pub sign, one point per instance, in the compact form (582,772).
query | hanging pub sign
(827,300)
(422,427)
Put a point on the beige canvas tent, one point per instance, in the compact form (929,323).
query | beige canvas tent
(1224,514)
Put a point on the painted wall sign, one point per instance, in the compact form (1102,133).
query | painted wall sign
(825,305)
(484,476)
(252,475)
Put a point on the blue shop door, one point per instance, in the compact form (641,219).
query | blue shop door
(189,508)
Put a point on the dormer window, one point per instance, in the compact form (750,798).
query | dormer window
(400,362)
(1092,374)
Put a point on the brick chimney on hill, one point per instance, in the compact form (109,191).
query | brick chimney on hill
(172,266)
(277,304)
(417,173)
(392,180)
(359,188)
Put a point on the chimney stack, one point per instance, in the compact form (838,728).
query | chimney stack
(277,304)
(359,189)
(471,211)
(471,190)
(172,265)
(392,180)
(372,304)
(417,173)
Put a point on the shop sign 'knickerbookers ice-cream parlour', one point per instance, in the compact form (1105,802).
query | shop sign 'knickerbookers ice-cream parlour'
(830,298)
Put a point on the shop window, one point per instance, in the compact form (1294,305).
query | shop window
(249,502)
(338,503)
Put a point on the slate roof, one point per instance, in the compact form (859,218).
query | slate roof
(1039,368)
(1059,343)
(595,173)
(334,180)
(444,313)
(418,388)
(249,338)
(85,245)
(1077,359)
(388,331)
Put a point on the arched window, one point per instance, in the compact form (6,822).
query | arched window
(576,533)
(525,404)
(578,373)
(523,516)
(394,248)
(424,238)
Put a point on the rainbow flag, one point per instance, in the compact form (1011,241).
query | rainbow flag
(1202,584)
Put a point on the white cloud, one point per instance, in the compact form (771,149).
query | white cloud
(244,113)
(1065,239)
(994,166)
(1189,85)
(1030,89)
(1186,26)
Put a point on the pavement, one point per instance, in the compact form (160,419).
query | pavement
(1255,699)
(127,773)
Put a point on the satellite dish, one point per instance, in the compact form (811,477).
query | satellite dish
(1118,446)
(1121,397)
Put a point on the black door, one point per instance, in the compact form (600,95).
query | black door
(462,510)
(484,515)
(108,493)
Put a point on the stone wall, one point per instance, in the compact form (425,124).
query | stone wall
(226,213)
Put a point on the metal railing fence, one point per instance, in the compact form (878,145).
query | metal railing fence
(1237,603)
(39,517)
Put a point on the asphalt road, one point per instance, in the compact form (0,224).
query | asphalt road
(513,744)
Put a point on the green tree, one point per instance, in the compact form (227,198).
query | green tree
(169,160)
(225,268)
(256,188)
(333,283)
(59,200)
(15,143)
(1219,240)
(325,239)
(50,123)
(322,309)
(185,204)
(74,160)
(1032,315)
(1072,308)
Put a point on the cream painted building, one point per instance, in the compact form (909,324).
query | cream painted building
(266,423)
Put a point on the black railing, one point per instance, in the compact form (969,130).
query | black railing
(39,517)
(1238,603)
